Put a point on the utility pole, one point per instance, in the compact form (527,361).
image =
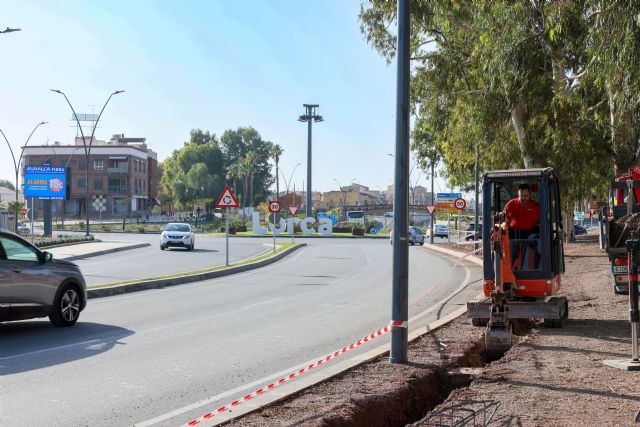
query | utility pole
(309,117)
(400,297)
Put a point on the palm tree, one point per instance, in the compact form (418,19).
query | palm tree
(250,161)
(234,172)
(275,152)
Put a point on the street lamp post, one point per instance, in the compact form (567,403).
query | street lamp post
(287,183)
(344,195)
(87,150)
(17,165)
(309,117)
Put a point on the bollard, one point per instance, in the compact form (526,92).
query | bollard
(633,247)
(633,364)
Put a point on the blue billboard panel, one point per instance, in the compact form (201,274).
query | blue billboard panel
(45,182)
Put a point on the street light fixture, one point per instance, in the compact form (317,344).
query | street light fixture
(309,117)
(344,195)
(87,150)
(10,30)
(287,183)
(17,165)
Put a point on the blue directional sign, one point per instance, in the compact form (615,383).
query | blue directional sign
(45,182)
(448,195)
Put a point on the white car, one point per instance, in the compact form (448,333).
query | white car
(177,234)
(416,236)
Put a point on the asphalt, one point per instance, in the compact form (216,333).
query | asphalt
(98,248)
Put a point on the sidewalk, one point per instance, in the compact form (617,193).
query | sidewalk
(90,249)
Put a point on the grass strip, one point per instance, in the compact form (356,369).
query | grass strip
(280,247)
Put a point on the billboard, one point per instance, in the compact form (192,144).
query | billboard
(45,182)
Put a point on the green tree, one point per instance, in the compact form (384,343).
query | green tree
(276,151)
(503,76)
(236,145)
(7,184)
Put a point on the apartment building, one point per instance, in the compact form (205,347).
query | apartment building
(122,171)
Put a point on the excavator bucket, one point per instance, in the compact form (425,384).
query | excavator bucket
(498,339)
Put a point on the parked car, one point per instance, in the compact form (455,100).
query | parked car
(34,284)
(471,232)
(439,230)
(177,234)
(579,229)
(416,236)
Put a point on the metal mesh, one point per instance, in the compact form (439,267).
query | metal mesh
(465,413)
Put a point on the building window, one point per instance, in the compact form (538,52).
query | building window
(98,165)
(97,183)
(82,183)
(82,164)
(144,167)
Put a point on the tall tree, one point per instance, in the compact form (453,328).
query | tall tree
(236,145)
(276,151)
(500,75)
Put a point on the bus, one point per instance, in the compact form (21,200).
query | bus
(355,217)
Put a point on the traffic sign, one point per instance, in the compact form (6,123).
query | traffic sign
(592,211)
(445,202)
(460,203)
(24,212)
(431,209)
(227,199)
(99,203)
(274,206)
(293,210)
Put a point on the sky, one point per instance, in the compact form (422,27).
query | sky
(212,65)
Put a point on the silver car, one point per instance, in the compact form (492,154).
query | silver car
(177,234)
(33,284)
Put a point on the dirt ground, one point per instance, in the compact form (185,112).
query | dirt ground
(550,377)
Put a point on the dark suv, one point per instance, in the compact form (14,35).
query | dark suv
(33,284)
(471,232)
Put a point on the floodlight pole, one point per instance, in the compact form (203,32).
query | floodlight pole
(16,166)
(400,297)
(309,117)
(87,150)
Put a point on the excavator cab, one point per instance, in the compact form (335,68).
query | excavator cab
(521,268)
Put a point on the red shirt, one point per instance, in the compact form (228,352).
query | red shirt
(522,217)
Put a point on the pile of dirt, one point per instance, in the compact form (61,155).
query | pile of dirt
(550,377)
(624,228)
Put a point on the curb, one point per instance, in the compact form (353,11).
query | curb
(107,251)
(144,285)
(307,382)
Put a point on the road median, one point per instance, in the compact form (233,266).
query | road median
(136,285)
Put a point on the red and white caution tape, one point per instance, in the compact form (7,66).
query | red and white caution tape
(293,375)
(319,362)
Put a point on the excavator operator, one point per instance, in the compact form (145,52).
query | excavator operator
(523,215)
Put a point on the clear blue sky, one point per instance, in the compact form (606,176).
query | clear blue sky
(213,65)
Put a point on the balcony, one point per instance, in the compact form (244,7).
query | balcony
(121,169)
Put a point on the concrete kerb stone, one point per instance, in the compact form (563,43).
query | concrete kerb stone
(303,383)
(107,251)
(143,285)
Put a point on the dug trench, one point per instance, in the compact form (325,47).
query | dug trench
(380,393)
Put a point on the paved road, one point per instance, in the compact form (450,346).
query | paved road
(151,261)
(136,357)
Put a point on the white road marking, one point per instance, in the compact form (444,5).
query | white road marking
(264,380)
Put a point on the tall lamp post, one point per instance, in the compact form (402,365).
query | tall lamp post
(309,117)
(16,165)
(87,149)
(287,183)
(344,195)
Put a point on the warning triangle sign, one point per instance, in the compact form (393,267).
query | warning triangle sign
(293,210)
(431,209)
(227,199)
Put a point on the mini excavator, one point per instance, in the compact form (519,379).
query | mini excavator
(521,273)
